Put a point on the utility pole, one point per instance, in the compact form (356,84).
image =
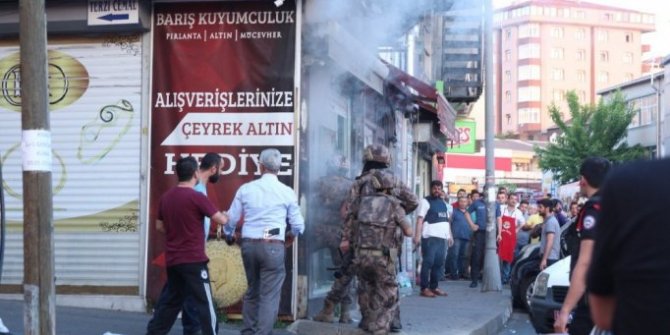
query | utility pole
(38,244)
(659,114)
(491,275)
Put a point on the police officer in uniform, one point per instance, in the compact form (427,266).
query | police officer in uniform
(375,158)
(332,192)
(378,216)
(580,241)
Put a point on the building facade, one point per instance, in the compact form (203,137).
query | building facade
(186,78)
(646,95)
(545,48)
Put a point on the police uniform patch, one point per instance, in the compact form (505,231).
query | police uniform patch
(203,274)
(589,222)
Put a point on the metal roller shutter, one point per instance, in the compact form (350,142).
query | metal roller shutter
(95,95)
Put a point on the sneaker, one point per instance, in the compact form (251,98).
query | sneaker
(439,292)
(427,293)
(473,284)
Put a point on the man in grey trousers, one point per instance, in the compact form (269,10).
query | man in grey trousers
(266,204)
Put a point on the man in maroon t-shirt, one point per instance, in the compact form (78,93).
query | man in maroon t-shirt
(180,215)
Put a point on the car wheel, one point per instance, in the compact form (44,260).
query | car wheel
(526,291)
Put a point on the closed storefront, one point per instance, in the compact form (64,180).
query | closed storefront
(95,113)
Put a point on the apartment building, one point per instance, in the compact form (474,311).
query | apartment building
(545,48)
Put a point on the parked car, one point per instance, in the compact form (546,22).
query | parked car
(549,291)
(526,268)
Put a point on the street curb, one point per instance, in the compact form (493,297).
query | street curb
(497,323)
(304,326)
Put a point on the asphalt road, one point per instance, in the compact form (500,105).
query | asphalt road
(518,324)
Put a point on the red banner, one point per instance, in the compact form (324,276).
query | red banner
(222,81)
(508,241)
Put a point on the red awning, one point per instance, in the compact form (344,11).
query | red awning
(403,79)
(427,97)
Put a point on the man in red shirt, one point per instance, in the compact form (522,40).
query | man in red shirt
(180,215)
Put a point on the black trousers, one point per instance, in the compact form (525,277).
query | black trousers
(190,321)
(185,280)
(477,257)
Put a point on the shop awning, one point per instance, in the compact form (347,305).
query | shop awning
(403,79)
(346,51)
(426,97)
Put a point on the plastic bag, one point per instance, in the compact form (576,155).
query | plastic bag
(404,283)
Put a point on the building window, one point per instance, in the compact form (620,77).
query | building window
(582,96)
(557,53)
(508,75)
(629,76)
(557,74)
(529,30)
(604,56)
(628,57)
(635,18)
(603,35)
(558,95)
(580,14)
(581,76)
(557,32)
(564,12)
(646,109)
(550,11)
(528,93)
(608,17)
(628,37)
(529,115)
(528,72)
(648,19)
(618,16)
(580,34)
(603,77)
(508,96)
(529,51)
(508,33)
(580,55)
(508,55)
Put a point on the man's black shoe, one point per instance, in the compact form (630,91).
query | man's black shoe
(396,328)
(473,284)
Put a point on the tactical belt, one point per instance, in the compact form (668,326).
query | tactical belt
(370,252)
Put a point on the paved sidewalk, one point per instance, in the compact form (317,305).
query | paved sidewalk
(464,311)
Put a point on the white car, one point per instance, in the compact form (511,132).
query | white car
(549,291)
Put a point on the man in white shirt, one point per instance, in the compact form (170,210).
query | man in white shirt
(433,232)
(266,204)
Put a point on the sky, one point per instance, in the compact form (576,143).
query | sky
(659,40)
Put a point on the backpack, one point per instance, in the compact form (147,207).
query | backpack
(376,225)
